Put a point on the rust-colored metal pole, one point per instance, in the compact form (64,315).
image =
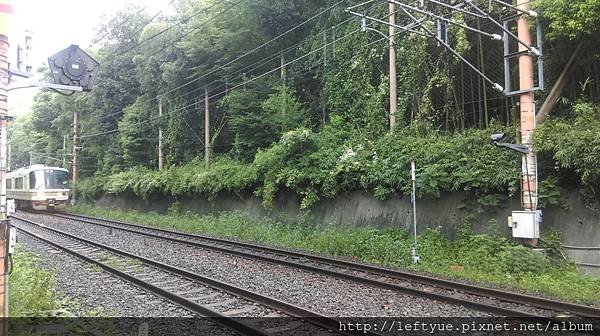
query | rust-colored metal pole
(527,109)
(4,224)
(5,11)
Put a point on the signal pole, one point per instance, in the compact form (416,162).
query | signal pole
(393,84)
(527,107)
(74,163)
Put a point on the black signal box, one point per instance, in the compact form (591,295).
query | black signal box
(74,67)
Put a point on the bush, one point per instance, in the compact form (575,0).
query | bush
(31,291)
(486,258)
(574,142)
(519,260)
(315,165)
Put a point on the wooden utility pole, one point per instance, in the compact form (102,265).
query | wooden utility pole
(160,135)
(282,69)
(527,107)
(64,156)
(74,163)
(393,86)
(206,131)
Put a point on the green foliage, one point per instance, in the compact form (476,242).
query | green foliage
(315,165)
(485,258)
(550,194)
(570,19)
(31,291)
(574,142)
(521,260)
(224,175)
(136,136)
(257,125)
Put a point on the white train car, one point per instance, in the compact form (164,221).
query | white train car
(38,187)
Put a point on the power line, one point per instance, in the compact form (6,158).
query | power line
(237,58)
(153,36)
(251,51)
(243,83)
(152,18)
(108,30)
(178,24)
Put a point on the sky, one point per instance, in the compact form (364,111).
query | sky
(55,25)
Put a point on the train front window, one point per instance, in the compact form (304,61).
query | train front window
(56,179)
(49,179)
(36,179)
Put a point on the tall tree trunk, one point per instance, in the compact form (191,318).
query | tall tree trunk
(559,86)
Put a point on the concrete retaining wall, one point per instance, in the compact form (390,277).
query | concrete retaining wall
(578,226)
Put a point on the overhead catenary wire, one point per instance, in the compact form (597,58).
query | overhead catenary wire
(243,83)
(240,84)
(235,59)
(108,30)
(204,23)
(181,22)
(251,51)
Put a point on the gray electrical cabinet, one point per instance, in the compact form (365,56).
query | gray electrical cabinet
(526,224)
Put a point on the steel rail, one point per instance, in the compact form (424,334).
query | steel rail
(273,303)
(480,306)
(519,298)
(171,297)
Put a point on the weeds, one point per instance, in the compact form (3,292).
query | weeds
(31,288)
(477,257)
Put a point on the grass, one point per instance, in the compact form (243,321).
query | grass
(30,288)
(479,257)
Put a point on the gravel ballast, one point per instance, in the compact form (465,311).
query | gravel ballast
(323,294)
(93,290)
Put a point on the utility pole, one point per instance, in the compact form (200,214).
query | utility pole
(64,156)
(74,163)
(393,86)
(527,109)
(4,224)
(282,69)
(160,136)
(206,131)
(8,158)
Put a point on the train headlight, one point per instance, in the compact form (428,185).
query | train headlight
(40,194)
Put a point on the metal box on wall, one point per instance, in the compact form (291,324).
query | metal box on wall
(526,224)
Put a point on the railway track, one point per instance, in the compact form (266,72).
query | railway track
(489,300)
(218,301)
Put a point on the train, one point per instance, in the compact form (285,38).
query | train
(38,187)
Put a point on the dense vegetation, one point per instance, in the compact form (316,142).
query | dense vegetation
(319,125)
(31,288)
(477,257)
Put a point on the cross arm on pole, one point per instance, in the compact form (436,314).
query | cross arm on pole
(526,12)
(429,33)
(404,28)
(529,48)
(439,17)
(457,8)
(47,85)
